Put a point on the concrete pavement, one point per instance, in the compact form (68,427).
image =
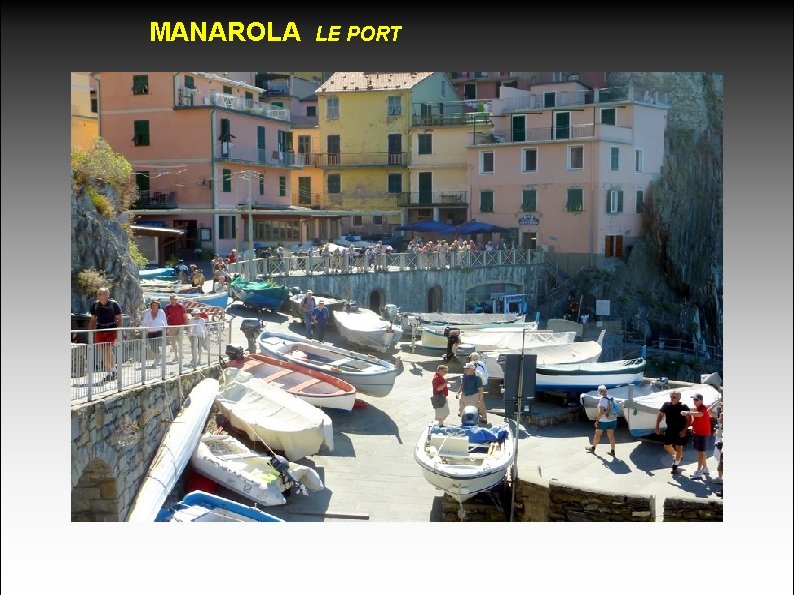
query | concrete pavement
(372,475)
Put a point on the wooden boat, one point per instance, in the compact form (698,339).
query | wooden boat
(315,387)
(588,376)
(175,449)
(367,373)
(333,305)
(271,415)
(465,460)
(264,479)
(364,328)
(641,412)
(201,507)
(259,294)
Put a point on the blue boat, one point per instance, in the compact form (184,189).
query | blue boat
(259,294)
(201,507)
(160,273)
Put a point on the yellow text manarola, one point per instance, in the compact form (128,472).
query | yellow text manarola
(168,31)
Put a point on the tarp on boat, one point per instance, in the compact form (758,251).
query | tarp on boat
(476,435)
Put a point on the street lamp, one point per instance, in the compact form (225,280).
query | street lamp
(250,230)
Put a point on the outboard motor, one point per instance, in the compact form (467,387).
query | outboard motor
(251,328)
(235,352)
(470,417)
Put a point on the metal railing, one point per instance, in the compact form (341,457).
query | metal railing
(101,369)
(352,262)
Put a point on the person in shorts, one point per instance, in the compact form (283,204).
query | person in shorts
(441,386)
(470,385)
(106,318)
(701,432)
(675,435)
(605,421)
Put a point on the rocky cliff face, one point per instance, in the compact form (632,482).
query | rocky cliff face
(100,243)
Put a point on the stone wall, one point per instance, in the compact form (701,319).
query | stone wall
(114,441)
(691,509)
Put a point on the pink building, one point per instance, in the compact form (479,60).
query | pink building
(568,168)
(206,153)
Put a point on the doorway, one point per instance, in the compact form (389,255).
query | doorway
(434,299)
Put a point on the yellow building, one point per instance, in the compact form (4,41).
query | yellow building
(85,120)
(365,121)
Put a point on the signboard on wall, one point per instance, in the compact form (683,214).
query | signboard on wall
(528,219)
(602,307)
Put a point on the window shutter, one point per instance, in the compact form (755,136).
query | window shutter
(620,201)
(619,246)
(609,196)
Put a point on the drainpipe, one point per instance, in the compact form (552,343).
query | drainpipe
(94,76)
(593,193)
(213,185)
(173,88)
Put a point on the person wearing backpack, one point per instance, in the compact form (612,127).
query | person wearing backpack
(606,419)
(307,305)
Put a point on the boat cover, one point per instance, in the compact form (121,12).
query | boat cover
(475,435)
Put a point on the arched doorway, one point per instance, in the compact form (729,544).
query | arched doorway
(95,497)
(376,300)
(434,299)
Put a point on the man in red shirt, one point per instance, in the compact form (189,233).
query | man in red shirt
(701,431)
(176,315)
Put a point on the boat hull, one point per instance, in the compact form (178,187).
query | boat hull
(171,458)
(367,374)
(454,465)
(258,294)
(200,507)
(366,329)
(641,412)
(315,387)
(584,377)
(230,463)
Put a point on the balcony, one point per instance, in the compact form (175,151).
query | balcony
(150,199)
(439,198)
(335,160)
(602,132)
(311,200)
(454,119)
(579,97)
(234,153)
(194,98)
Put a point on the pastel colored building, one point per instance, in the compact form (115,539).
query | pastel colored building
(365,126)
(486,85)
(207,155)
(84,120)
(568,168)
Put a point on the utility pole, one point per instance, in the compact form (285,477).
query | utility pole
(250,230)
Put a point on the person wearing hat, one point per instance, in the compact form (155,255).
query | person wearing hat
(470,387)
(154,321)
(479,369)
(308,304)
(197,331)
(675,436)
(320,316)
(701,431)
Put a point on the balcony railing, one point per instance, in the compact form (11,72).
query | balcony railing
(307,199)
(439,198)
(547,100)
(193,97)
(454,119)
(359,159)
(149,199)
(233,152)
(603,132)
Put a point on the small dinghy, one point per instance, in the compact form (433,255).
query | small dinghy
(201,507)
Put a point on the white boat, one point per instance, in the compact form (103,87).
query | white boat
(457,320)
(271,415)
(497,339)
(201,507)
(367,373)
(588,376)
(364,328)
(257,476)
(578,352)
(465,460)
(432,336)
(647,386)
(641,412)
(175,449)
(315,387)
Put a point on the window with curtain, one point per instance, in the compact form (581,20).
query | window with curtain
(575,200)
(140,84)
